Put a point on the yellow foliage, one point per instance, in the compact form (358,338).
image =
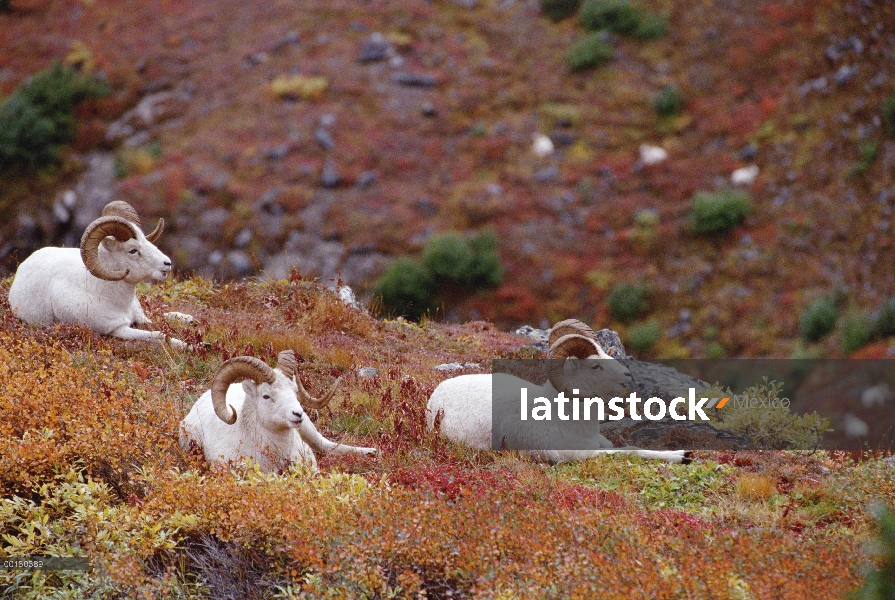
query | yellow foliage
(299,87)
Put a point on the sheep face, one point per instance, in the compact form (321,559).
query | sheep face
(277,405)
(139,256)
(604,378)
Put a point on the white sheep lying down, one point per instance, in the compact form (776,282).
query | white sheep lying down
(95,285)
(261,418)
(463,405)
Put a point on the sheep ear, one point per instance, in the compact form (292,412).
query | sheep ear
(249,387)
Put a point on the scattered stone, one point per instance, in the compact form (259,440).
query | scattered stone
(346,295)
(290,39)
(449,367)
(366,179)
(243,238)
(278,152)
(542,145)
(330,177)
(749,152)
(815,85)
(257,58)
(415,80)
(562,139)
(324,138)
(744,175)
(538,336)
(238,264)
(367,372)
(376,48)
(327,120)
(845,74)
(652,155)
(211,222)
(547,174)
(428,110)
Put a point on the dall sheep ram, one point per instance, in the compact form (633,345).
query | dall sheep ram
(96,285)
(463,405)
(261,419)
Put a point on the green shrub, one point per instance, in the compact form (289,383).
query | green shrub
(818,319)
(855,332)
(619,16)
(651,27)
(406,289)
(644,336)
(884,323)
(869,152)
(628,301)
(719,211)
(471,264)
(588,52)
(879,581)
(39,116)
(889,115)
(668,102)
(557,10)
(449,262)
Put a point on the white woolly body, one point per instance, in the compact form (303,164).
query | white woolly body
(465,405)
(53,286)
(273,431)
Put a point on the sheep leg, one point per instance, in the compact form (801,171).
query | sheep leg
(672,456)
(315,440)
(126,332)
(179,316)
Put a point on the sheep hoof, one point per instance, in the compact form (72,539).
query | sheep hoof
(182,317)
(687,458)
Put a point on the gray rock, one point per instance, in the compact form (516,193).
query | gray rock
(358,268)
(367,372)
(450,367)
(94,189)
(290,39)
(376,48)
(330,177)
(652,434)
(428,109)
(611,343)
(324,138)
(238,264)
(538,336)
(415,80)
(187,251)
(243,238)
(278,152)
(546,175)
(845,74)
(211,222)
(309,254)
(660,381)
(365,180)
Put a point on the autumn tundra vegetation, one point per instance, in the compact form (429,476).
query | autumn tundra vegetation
(393,140)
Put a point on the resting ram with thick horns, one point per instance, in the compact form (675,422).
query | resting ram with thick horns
(261,419)
(95,286)
(470,412)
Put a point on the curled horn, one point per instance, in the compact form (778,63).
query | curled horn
(286,363)
(236,369)
(157,232)
(567,327)
(96,232)
(308,400)
(120,208)
(567,346)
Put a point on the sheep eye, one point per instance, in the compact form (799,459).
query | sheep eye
(266,396)
(134,251)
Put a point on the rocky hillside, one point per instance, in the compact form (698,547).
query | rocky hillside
(336,137)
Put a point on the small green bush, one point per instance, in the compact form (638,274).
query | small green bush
(39,116)
(471,264)
(879,581)
(668,102)
(406,289)
(644,336)
(884,322)
(718,212)
(628,301)
(449,262)
(619,16)
(869,152)
(818,319)
(651,27)
(557,10)
(588,52)
(855,332)
(889,115)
